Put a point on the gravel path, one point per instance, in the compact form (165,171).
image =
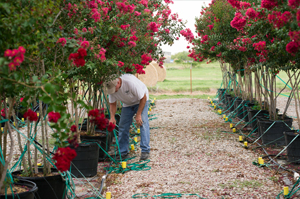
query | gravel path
(191,155)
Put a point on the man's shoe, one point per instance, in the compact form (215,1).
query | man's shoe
(144,156)
(124,157)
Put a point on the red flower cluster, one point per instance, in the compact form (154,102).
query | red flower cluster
(73,140)
(30,115)
(268,4)
(73,128)
(292,47)
(53,116)
(111,127)
(101,55)
(211,26)
(146,59)
(139,68)
(238,22)
(251,13)
(63,158)
(235,4)
(133,38)
(294,3)
(131,44)
(62,40)
(17,55)
(260,46)
(98,118)
(187,33)
(245,5)
(78,58)
(153,26)
(278,19)
(3,112)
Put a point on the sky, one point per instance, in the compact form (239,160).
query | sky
(187,11)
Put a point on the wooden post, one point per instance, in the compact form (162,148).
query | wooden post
(191,77)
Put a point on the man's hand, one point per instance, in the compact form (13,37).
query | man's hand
(138,119)
(113,120)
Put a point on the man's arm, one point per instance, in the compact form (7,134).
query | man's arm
(138,117)
(113,110)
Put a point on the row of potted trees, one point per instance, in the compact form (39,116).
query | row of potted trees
(54,58)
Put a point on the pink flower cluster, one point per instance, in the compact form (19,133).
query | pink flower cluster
(123,8)
(131,44)
(268,4)
(146,59)
(204,39)
(53,116)
(238,22)
(72,9)
(78,58)
(153,26)
(85,44)
(17,57)
(62,40)
(144,3)
(101,55)
(210,26)
(124,27)
(96,15)
(133,38)
(120,64)
(30,115)
(278,19)
(187,33)
(245,5)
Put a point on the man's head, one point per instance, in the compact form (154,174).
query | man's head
(113,85)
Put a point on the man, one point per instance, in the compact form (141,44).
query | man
(134,95)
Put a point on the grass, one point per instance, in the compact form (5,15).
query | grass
(206,78)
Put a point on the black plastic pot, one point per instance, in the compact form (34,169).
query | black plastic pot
(245,111)
(275,132)
(237,108)
(86,162)
(30,194)
(293,150)
(229,102)
(103,140)
(252,116)
(49,187)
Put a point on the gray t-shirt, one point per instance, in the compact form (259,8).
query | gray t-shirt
(131,91)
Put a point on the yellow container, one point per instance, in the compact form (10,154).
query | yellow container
(14,124)
(132,147)
(234,130)
(108,195)
(148,112)
(224,116)
(2,129)
(260,160)
(240,138)
(150,109)
(285,191)
(154,98)
(22,119)
(220,111)
(124,165)
(135,139)
(38,114)
(208,98)
(231,125)
(226,119)
(138,130)
(245,144)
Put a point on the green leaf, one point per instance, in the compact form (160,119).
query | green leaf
(49,88)
(46,99)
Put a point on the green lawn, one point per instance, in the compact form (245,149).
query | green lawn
(205,78)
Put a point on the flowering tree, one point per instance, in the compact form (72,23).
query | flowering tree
(48,50)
